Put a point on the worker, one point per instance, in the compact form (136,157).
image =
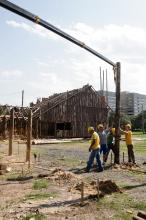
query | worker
(103,141)
(128,139)
(110,141)
(95,151)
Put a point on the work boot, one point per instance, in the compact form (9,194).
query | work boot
(87,170)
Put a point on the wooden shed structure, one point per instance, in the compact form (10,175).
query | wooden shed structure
(69,114)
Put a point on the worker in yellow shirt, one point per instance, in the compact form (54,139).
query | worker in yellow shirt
(95,151)
(128,139)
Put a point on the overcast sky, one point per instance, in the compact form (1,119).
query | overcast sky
(39,62)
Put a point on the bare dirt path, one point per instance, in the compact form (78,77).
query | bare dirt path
(57,200)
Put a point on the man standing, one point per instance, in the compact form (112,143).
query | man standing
(95,151)
(103,141)
(128,138)
(110,141)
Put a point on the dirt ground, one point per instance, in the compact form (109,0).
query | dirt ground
(51,187)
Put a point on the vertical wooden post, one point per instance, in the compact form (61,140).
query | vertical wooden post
(82,193)
(29,136)
(4,127)
(117,113)
(123,158)
(111,159)
(11,132)
(98,189)
(37,127)
(18,148)
(40,123)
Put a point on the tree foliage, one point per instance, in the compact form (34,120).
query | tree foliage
(124,119)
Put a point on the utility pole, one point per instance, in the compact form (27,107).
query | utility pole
(22,97)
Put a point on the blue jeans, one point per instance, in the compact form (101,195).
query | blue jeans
(93,154)
(103,148)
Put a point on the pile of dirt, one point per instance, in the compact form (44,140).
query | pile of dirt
(126,166)
(101,188)
(108,187)
(61,175)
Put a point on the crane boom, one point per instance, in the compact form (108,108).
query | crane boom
(34,18)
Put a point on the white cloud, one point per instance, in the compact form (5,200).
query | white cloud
(10,74)
(125,43)
(33,28)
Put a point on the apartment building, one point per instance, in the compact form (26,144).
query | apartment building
(131,103)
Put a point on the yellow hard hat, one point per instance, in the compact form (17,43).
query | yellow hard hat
(100,126)
(129,126)
(90,129)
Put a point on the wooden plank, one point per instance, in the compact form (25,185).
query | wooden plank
(137,218)
(142,214)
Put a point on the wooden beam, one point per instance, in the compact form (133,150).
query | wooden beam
(117,114)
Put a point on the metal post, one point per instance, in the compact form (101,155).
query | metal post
(11,132)
(103,83)
(117,113)
(22,97)
(100,82)
(106,87)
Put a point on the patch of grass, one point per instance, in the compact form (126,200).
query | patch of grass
(40,196)
(139,148)
(71,162)
(138,133)
(139,205)
(37,216)
(40,184)
(119,204)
